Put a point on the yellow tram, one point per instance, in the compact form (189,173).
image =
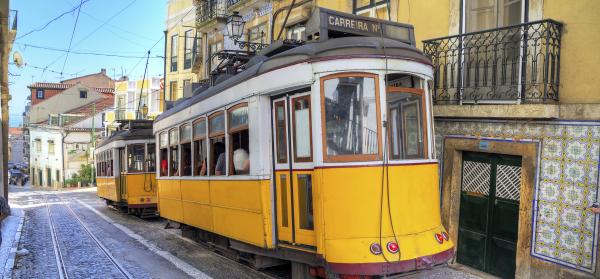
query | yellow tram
(321,154)
(125,169)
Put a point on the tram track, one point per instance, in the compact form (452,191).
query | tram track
(61,251)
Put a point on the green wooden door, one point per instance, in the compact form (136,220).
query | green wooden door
(489,212)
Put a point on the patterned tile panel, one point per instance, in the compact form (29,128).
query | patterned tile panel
(565,232)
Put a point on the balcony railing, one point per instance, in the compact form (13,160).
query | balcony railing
(512,64)
(232,2)
(209,9)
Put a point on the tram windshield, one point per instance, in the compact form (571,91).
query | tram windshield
(406,125)
(351,119)
(135,158)
(151,163)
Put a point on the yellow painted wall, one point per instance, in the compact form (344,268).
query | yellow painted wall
(579,61)
(237,209)
(430,18)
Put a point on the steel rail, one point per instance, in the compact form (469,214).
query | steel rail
(60,264)
(99,244)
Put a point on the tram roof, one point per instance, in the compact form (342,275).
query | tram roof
(338,48)
(128,135)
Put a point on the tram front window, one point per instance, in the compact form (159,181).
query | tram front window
(218,164)
(135,158)
(151,160)
(406,126)
(200,158)
(350,116)
(238,135)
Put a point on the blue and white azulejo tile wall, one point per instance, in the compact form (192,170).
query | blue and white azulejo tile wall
(564,231)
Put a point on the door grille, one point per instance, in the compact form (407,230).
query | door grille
(508,182)
(476,177)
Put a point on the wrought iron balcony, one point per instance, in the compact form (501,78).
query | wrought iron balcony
(232,2)
(209,9)
(512,64)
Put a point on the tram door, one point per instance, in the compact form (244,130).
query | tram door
(294,169)
(122,172)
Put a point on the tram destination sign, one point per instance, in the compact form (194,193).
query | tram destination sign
(327,22)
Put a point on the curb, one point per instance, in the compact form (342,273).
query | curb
(10,262)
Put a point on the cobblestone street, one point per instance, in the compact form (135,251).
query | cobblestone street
(141,248)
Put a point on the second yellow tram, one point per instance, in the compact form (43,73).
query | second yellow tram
(321,154)
(125,169)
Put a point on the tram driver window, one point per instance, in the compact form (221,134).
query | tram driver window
(109,164)
(200,152)
(216,126)
(406,126)
(151,159)
(135,158)
(186,150)
(238,139)
(164,145)
(350,117)
(174,152)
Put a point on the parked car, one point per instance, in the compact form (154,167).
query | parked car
(16,177)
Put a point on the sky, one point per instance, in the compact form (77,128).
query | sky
(114,27)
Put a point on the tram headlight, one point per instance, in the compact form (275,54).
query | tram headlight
(393,247)
(446,236)
(375,248)
(439,238)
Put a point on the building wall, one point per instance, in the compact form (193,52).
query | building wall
(67,100)
(579,48)
(77,151)
(48,93)
(16,152)
(42,160)
(178,22)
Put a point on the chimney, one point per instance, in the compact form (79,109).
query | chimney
(103,71)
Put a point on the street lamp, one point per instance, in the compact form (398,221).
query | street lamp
(235,28)
(144,111)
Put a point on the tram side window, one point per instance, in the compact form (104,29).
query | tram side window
(151,159)
(109,163)
(406,125)
(174,152)
(186,150)
(239,155)
(135,158)
(200,152)
(164,146)
(99,164)
(216,126)
(350,118)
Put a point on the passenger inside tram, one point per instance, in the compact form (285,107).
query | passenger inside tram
(163,162)
(219,154)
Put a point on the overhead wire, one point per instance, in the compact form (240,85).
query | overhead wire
(98,28)
(54,19)
(84,52)
(71,40)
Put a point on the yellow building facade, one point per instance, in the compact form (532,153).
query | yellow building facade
(135,99)
(516,108)
(181,49)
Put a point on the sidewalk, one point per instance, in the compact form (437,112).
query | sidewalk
(11,234)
